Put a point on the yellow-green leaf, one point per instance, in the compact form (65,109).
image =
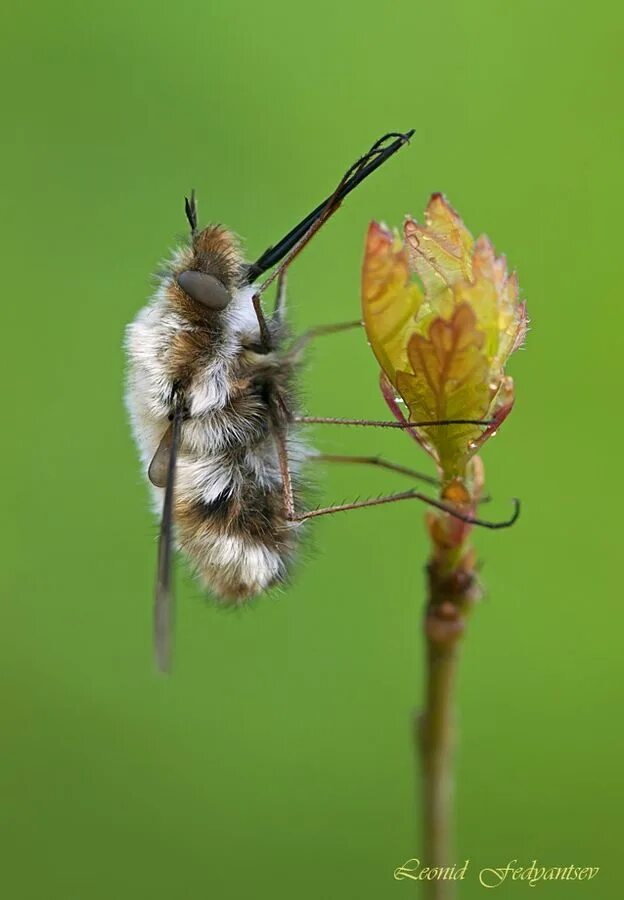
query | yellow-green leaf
(390,299)
(448,380)
(443,352)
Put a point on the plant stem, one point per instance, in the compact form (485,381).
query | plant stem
(453,591)
(436,740)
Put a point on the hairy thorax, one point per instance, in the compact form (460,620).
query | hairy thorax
(228,507)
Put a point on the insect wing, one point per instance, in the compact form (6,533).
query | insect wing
(163,596)
(159,467)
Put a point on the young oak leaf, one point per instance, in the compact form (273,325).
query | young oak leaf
(443,351)
(390,299)
(448,380)
(439,252)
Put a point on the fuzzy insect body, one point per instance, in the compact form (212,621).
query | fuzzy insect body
(229,499)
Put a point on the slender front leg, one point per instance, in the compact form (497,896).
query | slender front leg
(280,417)
(282,456)
(383,464)
(265,334)
(373,423)
(375,461)
(278,312)
(304,339)
(280,298)
(411,495)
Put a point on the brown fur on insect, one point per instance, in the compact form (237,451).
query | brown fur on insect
(229,505)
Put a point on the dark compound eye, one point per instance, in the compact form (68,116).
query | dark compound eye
(204,288)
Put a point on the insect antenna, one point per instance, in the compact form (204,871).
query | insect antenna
(190,208)
(365,166)
(163,595)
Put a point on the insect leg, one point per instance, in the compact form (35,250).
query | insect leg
(163,595)
(280,298)
(265,334)
(412,495)
(382,464)
(278,312)
(375,461)
(279,434)
(304,339)
(373,423)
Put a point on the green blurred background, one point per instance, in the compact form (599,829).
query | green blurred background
(276,762)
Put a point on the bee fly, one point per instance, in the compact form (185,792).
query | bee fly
(213,410)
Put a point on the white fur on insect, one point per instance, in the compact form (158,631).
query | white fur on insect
(228,491)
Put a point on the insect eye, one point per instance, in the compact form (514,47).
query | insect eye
(204,288)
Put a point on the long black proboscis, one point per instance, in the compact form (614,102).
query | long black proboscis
(163,595)
(378,156)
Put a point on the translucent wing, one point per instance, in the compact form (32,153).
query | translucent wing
(159,467)
(163,596)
